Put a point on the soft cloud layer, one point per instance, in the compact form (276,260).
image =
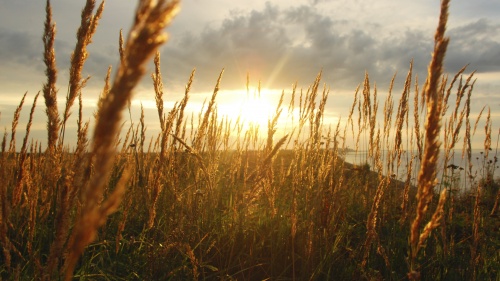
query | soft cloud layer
(275,43)
(283,45)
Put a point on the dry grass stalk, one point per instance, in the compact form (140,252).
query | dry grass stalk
(202,127)
(121,47)
(125,141)
(24,147)
(309,103)
(446,94)
(427,174)
(192,151)
(49,88)
(477,120)
(373,121)
(15,121)
(455,122)
(95,218)
(18,190)
(494,210)
(461,90)
(271,126)
(351,112)
(84,35)
(448,91)
(156,175)
(183,104)
(158,87)
(80,162)
(367,107)
(121,224)
(402,113)
(371,224)
(104,92)
(32,192)
(62,227)
(406,190)
(487,133)
(388,110)
(169,123)
(145,37)
(435,221)
(463,113)
(477,210)
(142,138)
(76,178)
(360,128)
(259,173)
(291,105)
(4,142)
(416,118)
(475,257)
(467,139)
(79,122)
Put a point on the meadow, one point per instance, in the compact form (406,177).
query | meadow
(211,198)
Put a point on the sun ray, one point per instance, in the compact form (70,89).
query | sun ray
(252,108)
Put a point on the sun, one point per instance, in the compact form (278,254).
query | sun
(252,109)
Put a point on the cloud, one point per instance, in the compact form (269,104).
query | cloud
(278,45)
(254,43)
(18,47)
(477,44)
(289,44)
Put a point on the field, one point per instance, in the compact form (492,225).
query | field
(211,198)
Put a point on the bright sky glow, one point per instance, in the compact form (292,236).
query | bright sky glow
(250,108)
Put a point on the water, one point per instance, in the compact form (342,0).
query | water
(458,175)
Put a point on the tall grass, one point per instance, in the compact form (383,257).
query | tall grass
(214,198)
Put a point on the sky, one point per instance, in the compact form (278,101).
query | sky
(278,43)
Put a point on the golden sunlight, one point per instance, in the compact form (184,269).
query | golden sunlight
(252,109)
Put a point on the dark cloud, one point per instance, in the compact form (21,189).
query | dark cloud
(396,52)
(19,47)
(477,44)
(304,41)
(465,10)
(21,55)
(254,43)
